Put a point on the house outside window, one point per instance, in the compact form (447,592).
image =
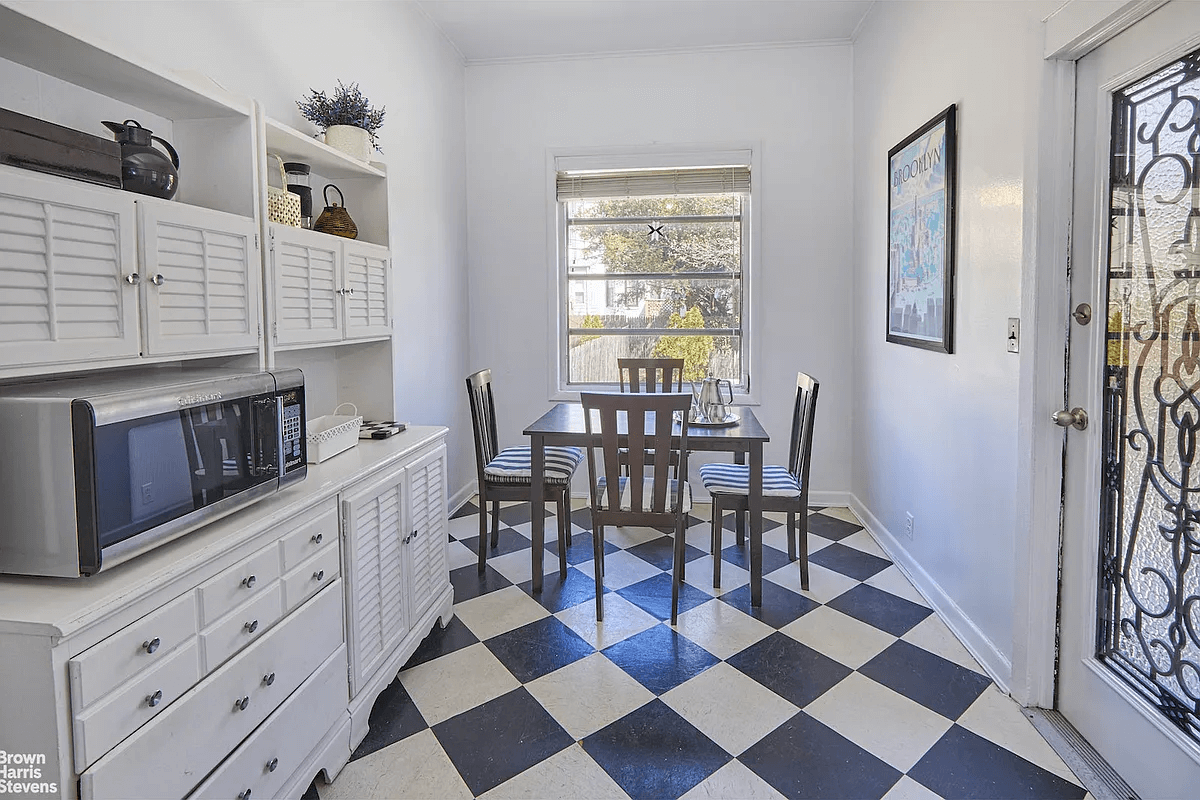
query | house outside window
(654,262)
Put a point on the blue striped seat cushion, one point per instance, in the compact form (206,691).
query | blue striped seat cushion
(626,498)
(512,465)
(721,478)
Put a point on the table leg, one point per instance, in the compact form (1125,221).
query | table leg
(739,519)
(537,506)
(756,522)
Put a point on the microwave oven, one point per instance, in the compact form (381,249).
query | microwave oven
(95,471)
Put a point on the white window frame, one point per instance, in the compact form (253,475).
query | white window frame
(616,158)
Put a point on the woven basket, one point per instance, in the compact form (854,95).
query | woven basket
(331,434)
(282,206)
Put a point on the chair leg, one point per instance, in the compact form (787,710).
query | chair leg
(791,535)
(495,523)
(717,513)
(564,515)
(677,573)
(598,568)
(482,534)
(739,519)
(803,547)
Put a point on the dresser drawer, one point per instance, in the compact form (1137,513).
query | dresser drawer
(273,753)
(308,578)
(241,626)
(236,585)
(132,705)
(171,754)
(309,538)
(136,646)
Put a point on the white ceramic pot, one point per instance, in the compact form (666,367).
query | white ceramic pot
(350,139)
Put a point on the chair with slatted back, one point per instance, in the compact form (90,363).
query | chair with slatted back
(650,375)
(505,475)
(657,501)
(785,488)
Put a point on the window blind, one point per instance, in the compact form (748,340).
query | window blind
(652,182)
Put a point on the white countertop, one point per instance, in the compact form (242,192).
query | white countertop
(62,606)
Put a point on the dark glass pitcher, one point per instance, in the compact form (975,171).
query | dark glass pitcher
(145,169)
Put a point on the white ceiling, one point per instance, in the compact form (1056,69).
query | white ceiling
(508,30)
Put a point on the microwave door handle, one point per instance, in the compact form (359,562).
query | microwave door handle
(278,438)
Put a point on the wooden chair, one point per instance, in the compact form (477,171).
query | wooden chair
(505,474)
(651,375)
(784,488)
(658,501)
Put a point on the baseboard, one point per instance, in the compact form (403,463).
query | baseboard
(829,498)
(980,646)
(460,498)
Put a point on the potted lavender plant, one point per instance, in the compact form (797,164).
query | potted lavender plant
(346,118)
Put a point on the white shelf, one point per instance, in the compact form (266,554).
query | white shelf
(40,45)
(293,145)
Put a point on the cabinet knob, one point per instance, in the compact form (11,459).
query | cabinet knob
(249,581)
(272,764)
(345,292)
(153,700)
(269,679)
(251,627)
(151,645)
(133,279)
(319,575)
(244,795)
(158,279)
(317,538)
(240,705)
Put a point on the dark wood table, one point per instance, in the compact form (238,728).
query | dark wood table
(564,425)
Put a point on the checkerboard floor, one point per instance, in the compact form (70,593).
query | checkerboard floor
(854,689)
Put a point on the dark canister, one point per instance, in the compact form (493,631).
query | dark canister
(298,183)
(335,219)
(144,168)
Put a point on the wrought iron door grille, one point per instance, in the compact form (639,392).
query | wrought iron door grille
(1148,629)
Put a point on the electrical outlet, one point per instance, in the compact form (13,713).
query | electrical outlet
(908,525)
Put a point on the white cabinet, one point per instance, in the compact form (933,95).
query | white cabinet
(328,289)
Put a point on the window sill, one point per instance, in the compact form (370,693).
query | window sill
(572,395)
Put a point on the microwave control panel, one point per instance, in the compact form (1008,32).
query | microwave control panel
(291,430)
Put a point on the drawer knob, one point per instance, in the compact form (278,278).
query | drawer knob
(249,581)
(269,679)
(319,575)
(318,538)
(153,700)
(240,705)
(251,627)
(272,764)
(151,645)
(244,795)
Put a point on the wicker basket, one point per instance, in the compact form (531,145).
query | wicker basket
(282,206)
(331,434)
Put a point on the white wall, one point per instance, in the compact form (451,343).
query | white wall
(274,52)
(792,104)
(936,434)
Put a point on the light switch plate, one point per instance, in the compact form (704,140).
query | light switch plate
(1014,334)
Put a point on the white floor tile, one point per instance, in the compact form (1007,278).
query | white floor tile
(823,584)
(629,536)
(842,513)
(416,763)
(887,724)
(721,629)
(933,635)
(621,569)
(622,619)
(499,612)
(464,527)
(568,773)
(839,636)
(700,575)
(734,780)
(997,717)
(459,555)
(729,707)
(476,675)
(893,580)
(865,542)
(518,566)
(908,789)
(588,694)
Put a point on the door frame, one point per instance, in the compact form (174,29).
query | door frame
(1045,303)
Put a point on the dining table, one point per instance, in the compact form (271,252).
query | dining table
(564,425)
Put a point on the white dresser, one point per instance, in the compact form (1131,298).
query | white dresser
(240,660)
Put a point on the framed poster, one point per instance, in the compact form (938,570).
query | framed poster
(921,192)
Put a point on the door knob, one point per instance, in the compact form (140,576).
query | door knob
(1076,418)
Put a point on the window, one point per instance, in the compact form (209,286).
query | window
(653,263)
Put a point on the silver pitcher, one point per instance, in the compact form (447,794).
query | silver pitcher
(707,400)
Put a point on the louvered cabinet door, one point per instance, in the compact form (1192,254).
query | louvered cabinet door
(306,280)
(372,520)
(66,251)
(428,573)
(367,291)
(199,279)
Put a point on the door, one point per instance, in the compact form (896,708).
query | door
(308,283)
(427,535)
(1129,659)
(367,293)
